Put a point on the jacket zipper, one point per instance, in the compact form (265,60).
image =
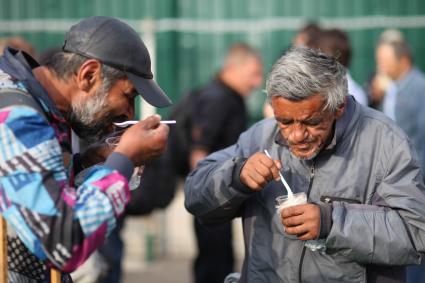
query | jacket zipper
(304,248)
(329,199)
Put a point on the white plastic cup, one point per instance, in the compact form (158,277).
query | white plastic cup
(296,199)
(113,141)
(136,178)
(290,200)
(113,138)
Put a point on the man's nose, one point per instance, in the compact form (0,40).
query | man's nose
(298,133)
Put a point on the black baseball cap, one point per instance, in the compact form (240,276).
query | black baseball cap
(116,44)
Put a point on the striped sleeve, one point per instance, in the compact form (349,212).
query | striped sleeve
(56,222)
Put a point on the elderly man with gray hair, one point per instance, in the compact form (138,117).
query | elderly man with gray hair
(366,202)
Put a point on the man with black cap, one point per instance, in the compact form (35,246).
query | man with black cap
(89,85)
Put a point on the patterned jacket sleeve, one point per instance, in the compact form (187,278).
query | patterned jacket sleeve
(56,222)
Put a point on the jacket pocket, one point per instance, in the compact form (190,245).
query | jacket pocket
(335,268)
(330,199)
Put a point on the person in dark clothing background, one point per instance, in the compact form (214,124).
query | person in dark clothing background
(219,116)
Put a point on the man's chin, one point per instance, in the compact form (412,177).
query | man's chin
(305,155)
(89,134)
(93,132)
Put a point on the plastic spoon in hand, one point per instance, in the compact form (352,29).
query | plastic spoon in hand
(132,122)
(285,184)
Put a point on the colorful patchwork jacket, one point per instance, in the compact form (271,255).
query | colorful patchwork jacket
(59,224)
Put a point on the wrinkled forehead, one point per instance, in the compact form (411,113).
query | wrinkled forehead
(298,110)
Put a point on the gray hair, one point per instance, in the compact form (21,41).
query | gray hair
(304,72)
(65,64)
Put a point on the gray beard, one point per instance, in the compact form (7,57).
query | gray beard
(313,156)
(85,119)
(93,132)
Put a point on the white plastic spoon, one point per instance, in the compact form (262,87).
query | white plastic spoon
(132,122)
(285,184)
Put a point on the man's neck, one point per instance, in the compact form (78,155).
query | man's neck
(56,89)
(230,81)
(404,70)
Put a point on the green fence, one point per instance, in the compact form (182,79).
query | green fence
(191,36)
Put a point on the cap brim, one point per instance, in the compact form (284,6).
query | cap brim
(150,91)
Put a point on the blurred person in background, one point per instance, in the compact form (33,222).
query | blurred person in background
(404,99)
(155,191)
(336,43)
(87,87)
(18,43)
(308,36)
(379,82)
(219,116)
(364,219)
(376,86)
(404,102)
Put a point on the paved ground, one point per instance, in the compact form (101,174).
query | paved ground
(160,247)
(176,270)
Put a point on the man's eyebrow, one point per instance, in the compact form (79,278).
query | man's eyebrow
(316,118)
(280,119)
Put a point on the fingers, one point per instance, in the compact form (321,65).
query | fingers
(151,122)
(293,221)
(278,164)
(302,220)
(253,181)
(272,169)
(307,236)
(144,141)
(264,171)
(292,211)
(259,170)
(299,230)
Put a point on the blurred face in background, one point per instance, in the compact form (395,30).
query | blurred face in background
(387,62)
(248,75)
(301,39)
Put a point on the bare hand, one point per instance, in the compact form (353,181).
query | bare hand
(144,141)
(259,170)
(302,220)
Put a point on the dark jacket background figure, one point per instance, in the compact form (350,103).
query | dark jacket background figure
(219,117)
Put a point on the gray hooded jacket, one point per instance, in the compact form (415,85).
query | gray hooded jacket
(369,188)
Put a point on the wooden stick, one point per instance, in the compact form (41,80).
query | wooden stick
(3,250)
(55,276)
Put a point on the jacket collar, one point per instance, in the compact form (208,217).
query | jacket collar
(341,125)
(19,65)
(406,79)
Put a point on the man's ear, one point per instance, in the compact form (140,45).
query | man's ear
(340,110)
(89,74)
(405,62)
